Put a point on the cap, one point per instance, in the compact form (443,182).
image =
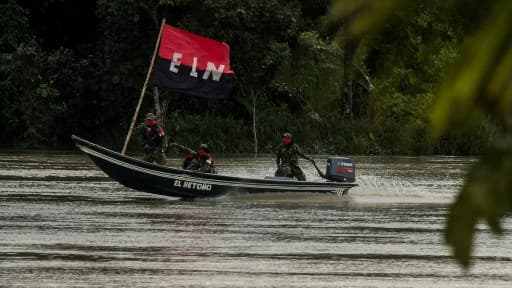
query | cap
(151,116)
(205,147)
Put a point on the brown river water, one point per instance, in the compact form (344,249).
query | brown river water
(63,223)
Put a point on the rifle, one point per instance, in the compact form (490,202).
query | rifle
(182,147)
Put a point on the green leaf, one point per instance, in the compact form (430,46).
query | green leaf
(460,226)
(485,196)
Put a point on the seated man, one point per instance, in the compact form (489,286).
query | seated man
(201,160)
(288,159)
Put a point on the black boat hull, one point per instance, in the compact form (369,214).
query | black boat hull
(168,181)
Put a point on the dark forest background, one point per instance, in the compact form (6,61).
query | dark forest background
(77,67)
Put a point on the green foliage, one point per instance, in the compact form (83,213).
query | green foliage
(121,68)
(320,66)
(469,142)
(294,75)
(222,134)
(412,55)
(258,33)
(36,94)
(33,107)
(14,27)
(480,82)
(325,134)
(365,15)
(280,57)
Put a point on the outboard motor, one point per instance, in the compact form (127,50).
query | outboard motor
(341,169)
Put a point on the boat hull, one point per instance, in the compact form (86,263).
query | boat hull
(168,181)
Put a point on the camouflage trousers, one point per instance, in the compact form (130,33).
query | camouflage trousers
(155,155)
(201,166)
(290,171)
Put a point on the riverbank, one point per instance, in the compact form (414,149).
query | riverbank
(328,135)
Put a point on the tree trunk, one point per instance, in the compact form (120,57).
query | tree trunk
(348,76)
(254,124)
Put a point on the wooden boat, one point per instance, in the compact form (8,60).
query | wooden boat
(168,181)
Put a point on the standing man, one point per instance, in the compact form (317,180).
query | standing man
(288,158)
(153,137)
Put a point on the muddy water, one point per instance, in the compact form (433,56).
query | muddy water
(63,223)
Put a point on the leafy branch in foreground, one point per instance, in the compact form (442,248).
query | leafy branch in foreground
(485,195)
(478,86)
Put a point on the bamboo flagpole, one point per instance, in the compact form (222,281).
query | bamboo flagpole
(134,118)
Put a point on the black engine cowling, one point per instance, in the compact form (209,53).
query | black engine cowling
(341,169)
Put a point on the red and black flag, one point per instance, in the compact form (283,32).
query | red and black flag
(192,64)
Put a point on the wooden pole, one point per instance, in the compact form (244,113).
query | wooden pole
(159,114)
(156,99)
(134,118)
(254,124)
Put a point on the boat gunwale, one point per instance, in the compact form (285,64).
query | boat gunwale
(206,176)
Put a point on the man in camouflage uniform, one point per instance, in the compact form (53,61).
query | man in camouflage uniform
(153,137)
(200,161)
(288,158)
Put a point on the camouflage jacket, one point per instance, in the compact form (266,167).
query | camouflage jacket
(153,137)
(204,165)
(289,154)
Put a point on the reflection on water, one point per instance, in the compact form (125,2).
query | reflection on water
(64,224)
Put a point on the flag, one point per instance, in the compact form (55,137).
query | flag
(192,64)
